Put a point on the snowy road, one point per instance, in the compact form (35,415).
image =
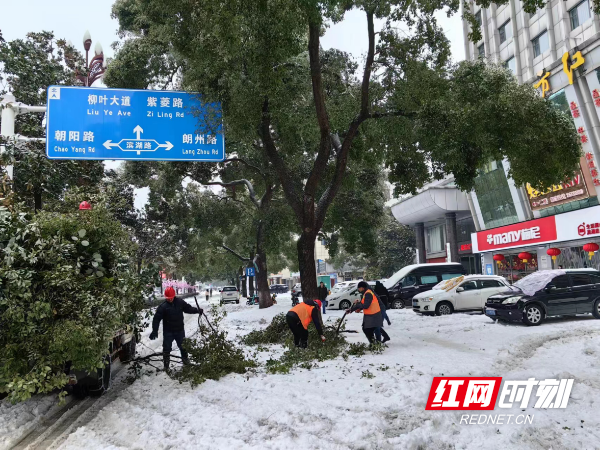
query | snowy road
(334,407)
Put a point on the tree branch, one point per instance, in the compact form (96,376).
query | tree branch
(234,253)
(342,157)
(237,183)
(246,163)
(289,189)
(316,173)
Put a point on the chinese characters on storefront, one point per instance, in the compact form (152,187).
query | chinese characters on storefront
(573,189)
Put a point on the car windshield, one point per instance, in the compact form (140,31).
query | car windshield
(449,283)
(229,289)
(537,280)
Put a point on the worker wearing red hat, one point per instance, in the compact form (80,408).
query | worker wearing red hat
(171,313)
(299,318)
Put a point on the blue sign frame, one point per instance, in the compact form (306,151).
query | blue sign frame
(250,272)
(489,269)
(132,124)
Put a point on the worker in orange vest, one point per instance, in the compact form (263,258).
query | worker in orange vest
(369,304)
(299,317)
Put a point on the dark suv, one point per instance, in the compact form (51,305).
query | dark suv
(548,293)
(414,279)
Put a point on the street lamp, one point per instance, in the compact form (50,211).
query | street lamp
(94,68)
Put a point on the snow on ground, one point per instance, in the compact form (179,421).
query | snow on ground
(334,406)
(19,418)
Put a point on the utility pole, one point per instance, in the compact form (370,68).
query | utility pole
(10,110)
(8,124)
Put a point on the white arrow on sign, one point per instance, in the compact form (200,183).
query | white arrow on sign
(138,130)
(167,145)
(108,144)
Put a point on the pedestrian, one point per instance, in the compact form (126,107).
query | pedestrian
(207,294)
(382,293)
(171,313)
(322,295)
(299,317)
(380,331)
(373,319)
(210,292)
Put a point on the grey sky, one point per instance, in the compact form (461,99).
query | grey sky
(69,19)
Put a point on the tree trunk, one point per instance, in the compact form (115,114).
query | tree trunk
(308,271)
(251,286)
(240,281)
(262,281)
(37,199)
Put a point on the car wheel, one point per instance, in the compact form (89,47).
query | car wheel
(127,353)
(398,304)
(596,309)
(533,315)
(104,379)
(237,302)
(345,304)
(443,309)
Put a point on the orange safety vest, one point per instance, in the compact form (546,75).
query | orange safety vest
(304,312)
(374,308)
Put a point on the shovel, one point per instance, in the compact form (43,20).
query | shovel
(205,318)
(340,324)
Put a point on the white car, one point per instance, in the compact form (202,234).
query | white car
(343,285)
(464,293)
(229,294)
(344,298)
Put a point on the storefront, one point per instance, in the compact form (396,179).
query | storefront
(515,250)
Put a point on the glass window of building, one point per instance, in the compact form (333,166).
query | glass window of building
(478,17)
(434,239)
(505,31)
(580,14)
(464,228)
(540,44)
(493,195)
(481,51)
(511,64)
(559,100)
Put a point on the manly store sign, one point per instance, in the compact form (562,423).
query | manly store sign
(562,227)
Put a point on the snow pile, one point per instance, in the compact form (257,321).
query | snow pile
(19,418)
(537,280)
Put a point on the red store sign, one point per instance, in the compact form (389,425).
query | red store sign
(517,235)
(570,226)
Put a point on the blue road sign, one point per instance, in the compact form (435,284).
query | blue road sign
(250,271)
(99,123)
(489,270)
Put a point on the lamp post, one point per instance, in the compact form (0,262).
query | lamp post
(94,68)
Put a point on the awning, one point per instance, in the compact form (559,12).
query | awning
(431,205)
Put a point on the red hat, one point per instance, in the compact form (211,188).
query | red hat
(170,293)
(318,302)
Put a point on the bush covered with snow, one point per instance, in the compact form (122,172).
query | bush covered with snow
(67,284)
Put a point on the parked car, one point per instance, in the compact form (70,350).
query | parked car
(220,289)
(278,288)
(344,298)
(548,293)
(464,293)
(343,285)
(229,294)
(416,278)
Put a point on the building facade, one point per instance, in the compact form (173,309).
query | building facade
(442,218)
(556,50)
